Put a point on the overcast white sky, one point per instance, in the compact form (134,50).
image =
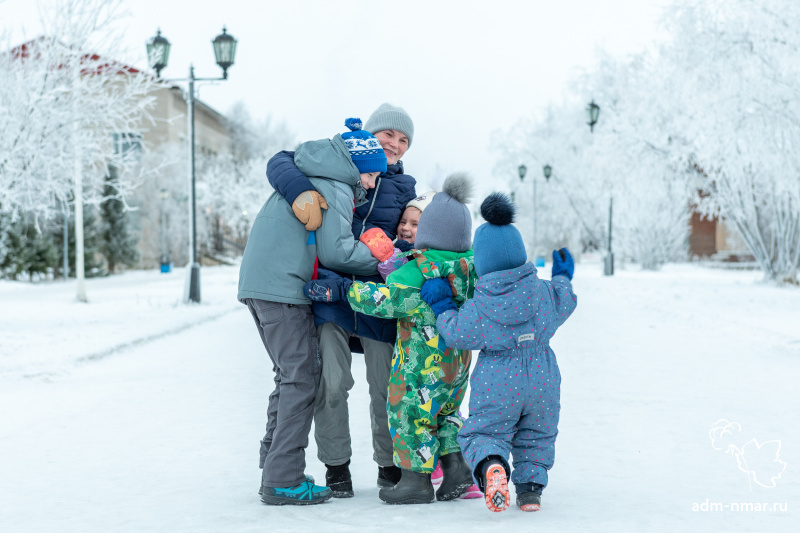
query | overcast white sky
(462,69)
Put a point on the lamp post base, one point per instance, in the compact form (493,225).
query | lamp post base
(608,264)
(192,288)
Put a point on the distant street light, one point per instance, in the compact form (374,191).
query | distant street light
(224,52)
(523,171)
(592,112)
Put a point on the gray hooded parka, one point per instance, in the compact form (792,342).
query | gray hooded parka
(280,254)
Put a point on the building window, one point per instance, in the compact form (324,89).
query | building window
(128,145)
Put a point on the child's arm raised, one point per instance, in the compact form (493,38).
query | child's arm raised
(562,297)
(560,288)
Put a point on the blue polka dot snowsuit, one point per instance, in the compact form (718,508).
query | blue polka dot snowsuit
(515,387)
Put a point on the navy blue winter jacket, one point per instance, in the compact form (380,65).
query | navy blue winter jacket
(383,209)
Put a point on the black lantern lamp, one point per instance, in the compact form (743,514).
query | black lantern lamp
(522,171)
(592,112)
(548,171)
(224,51)
(158,53)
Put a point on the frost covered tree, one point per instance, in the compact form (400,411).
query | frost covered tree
(232,186)
(709,117)
(118,246)
(566,213)
(62,98)
(741,114)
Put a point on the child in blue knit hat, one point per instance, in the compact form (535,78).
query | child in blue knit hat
(514,403)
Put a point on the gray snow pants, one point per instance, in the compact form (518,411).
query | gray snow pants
(331,415)
(290,337)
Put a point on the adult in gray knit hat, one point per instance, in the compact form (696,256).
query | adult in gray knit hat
(389,117)
(446,223)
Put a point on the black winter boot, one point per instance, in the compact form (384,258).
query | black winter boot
(413,487)
(388,476)
(456,477)
(529,496)
(339,481)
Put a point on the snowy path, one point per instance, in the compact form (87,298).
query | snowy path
(164,436)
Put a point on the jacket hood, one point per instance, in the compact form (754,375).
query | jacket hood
(512,293)
(327,159)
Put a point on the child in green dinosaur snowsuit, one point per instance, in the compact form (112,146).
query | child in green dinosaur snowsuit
(428,380)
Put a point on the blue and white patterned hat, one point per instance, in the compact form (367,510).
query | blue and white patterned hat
(365,149)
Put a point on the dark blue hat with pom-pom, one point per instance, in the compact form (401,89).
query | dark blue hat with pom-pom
(365,150)
(498,244)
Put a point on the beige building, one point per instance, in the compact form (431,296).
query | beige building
(211,132)
(167,157)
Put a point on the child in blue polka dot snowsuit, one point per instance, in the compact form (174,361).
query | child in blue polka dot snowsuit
(515,385)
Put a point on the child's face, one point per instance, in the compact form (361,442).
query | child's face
(368,179)
(394,144)
(407,228)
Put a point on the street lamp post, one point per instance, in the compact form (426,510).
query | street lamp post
(224,52)
(592,112)
(165,258)
(523,170)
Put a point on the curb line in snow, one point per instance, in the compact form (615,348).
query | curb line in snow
(150,338)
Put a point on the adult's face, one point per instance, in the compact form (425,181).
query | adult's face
(394,144)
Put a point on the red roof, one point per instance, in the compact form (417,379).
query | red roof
(93,63)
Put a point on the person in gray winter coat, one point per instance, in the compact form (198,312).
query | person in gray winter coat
(280,257)
(515,386)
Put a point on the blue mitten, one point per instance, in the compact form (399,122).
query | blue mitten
(331,287)
(435,289)
(402,245)
(563,265)
(443,305)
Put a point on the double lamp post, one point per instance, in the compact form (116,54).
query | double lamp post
(158,54)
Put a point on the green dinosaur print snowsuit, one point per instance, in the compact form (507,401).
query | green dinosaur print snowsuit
(428,380)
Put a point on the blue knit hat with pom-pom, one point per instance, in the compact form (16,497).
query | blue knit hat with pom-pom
(498,244)
(365,149)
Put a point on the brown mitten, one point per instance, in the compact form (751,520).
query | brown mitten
(307,207)
(378,243)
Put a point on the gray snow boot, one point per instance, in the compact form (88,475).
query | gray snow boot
(457,477)
(412,488)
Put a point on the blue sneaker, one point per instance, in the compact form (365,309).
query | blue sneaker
(306,493)
(309,478)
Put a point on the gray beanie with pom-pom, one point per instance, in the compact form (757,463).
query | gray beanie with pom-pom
(446,223)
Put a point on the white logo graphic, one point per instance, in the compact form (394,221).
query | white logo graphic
(760,461)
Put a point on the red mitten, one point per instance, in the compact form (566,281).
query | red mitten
(378,243)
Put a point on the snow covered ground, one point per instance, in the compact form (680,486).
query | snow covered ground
(120,415)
